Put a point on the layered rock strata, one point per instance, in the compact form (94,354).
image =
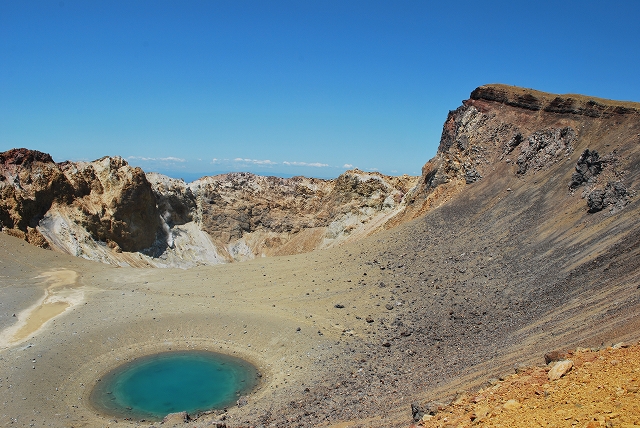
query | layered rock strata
(528,131)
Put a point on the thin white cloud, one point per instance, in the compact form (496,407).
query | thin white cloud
(167,159)
(347,165)
(256,161)
(313,164)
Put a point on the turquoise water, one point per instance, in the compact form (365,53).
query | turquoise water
(193,381)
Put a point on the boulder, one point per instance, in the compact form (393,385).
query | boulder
(559,369)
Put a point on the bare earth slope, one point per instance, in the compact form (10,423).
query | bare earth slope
(600,390)
(527,243)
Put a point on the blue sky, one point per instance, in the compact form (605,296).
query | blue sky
(190,88)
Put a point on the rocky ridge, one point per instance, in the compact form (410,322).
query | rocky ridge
(528,130)
(107,210)
(105,201)
(501,266)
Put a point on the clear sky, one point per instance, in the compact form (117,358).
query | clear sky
(191,88)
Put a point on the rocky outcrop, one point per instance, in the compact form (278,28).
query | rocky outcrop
(108,211)
(117,204)
(544,147)
(525,132)
(529,99)
(246,215)
(109,200)
(600,193)
(30,183)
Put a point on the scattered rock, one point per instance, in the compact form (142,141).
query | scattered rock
(433,407)
(520,368)
(339,306)
(552,356)
(416,412)
(174,419)
(389,306)
(369,319)
(242,401)
(620,345)
(559,369)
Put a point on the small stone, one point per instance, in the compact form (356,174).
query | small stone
(559,369)
(512,404)
(493,381)
(520,368)
(369,319)
(298,329)
(389,306)
(416,412)
(339,306)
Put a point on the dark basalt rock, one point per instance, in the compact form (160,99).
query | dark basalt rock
(614,194)
(589,165)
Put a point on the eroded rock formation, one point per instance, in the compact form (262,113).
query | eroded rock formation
(523,132)
(110,201)
(246,215)
(109,211)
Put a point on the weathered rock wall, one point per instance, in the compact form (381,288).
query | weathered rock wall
(109,199)
(108,211)
(528,131)
(247,215)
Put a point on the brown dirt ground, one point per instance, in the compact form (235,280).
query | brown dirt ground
(602,389)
